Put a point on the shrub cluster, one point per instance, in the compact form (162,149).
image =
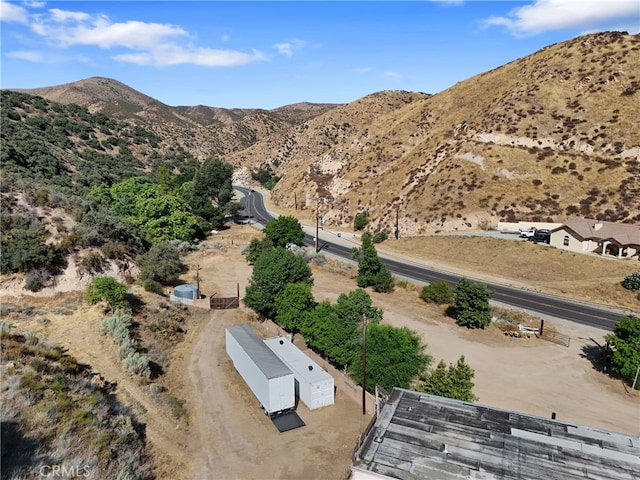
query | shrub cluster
(632,281)
(117,327)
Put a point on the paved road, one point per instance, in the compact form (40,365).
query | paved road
(542,304)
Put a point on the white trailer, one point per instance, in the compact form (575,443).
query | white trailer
(270,380)
(314,385)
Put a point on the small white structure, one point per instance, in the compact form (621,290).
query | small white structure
(271,381)
(314,385)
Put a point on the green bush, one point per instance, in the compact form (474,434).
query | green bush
(632,281)
(360,221)
(107,289)
(152,286)
(380,237)
(437,292)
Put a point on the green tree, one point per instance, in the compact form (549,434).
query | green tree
(256,247)
(162,264)
(283,230)
(472,308)
(624,348)
(272,271)
(437,292)
(371,271)
(333,330)
(107,289)
(454,381)
(213,181)
(292,304)
(360,220)
(393,356)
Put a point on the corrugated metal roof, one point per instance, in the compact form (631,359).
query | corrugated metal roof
(264,358)
(298,361)
(419,436)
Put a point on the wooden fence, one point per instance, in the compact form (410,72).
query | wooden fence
(224,303)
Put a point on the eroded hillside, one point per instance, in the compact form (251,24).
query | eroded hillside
(544,137)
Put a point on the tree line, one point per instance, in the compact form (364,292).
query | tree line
(280,289)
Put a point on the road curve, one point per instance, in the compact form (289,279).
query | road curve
(543,304)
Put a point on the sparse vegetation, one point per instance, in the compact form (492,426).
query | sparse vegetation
(49,404)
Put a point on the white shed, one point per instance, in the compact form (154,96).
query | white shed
(269,378)
(314,385)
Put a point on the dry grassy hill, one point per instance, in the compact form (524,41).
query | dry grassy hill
(549,135)
(203,131)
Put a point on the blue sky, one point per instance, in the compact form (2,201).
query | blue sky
(268,54)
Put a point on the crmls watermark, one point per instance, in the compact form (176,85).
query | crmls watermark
(63,471)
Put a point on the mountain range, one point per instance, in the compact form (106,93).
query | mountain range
(547,136)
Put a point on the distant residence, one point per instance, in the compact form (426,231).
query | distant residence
(586,235)
(424,437)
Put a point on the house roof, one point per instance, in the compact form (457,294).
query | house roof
(590,229)
(418,436)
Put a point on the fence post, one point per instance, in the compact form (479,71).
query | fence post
(541,327)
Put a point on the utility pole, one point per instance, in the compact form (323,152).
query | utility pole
(317,229)
(364,364)
(397,224)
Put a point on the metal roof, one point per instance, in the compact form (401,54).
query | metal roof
(419,436)
(267,361)
(298,361)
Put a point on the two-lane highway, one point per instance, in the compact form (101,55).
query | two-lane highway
(549,305)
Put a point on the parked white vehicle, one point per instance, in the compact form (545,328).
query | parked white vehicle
(528,233)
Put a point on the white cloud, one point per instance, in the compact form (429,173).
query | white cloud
(545,15)
(29,56)
(287,48)
(10,12)
(284,48)
(393,75)
(173,55)
(362,70)
(148,43)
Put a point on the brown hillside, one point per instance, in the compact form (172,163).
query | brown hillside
(544,137)
(203,131)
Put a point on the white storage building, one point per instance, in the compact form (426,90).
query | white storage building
(271,381)
(314,385)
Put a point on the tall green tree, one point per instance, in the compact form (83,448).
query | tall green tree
(272,271)
(472,308)
(454,381)
(293,304)
(624,348)
(213,181)
(283,230)
(393,357)
(162,264)
(371,271)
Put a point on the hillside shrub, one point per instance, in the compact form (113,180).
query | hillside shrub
(632,281)
(106,289)
(360,221)
(380,237)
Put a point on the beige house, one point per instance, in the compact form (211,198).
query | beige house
(585,235)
